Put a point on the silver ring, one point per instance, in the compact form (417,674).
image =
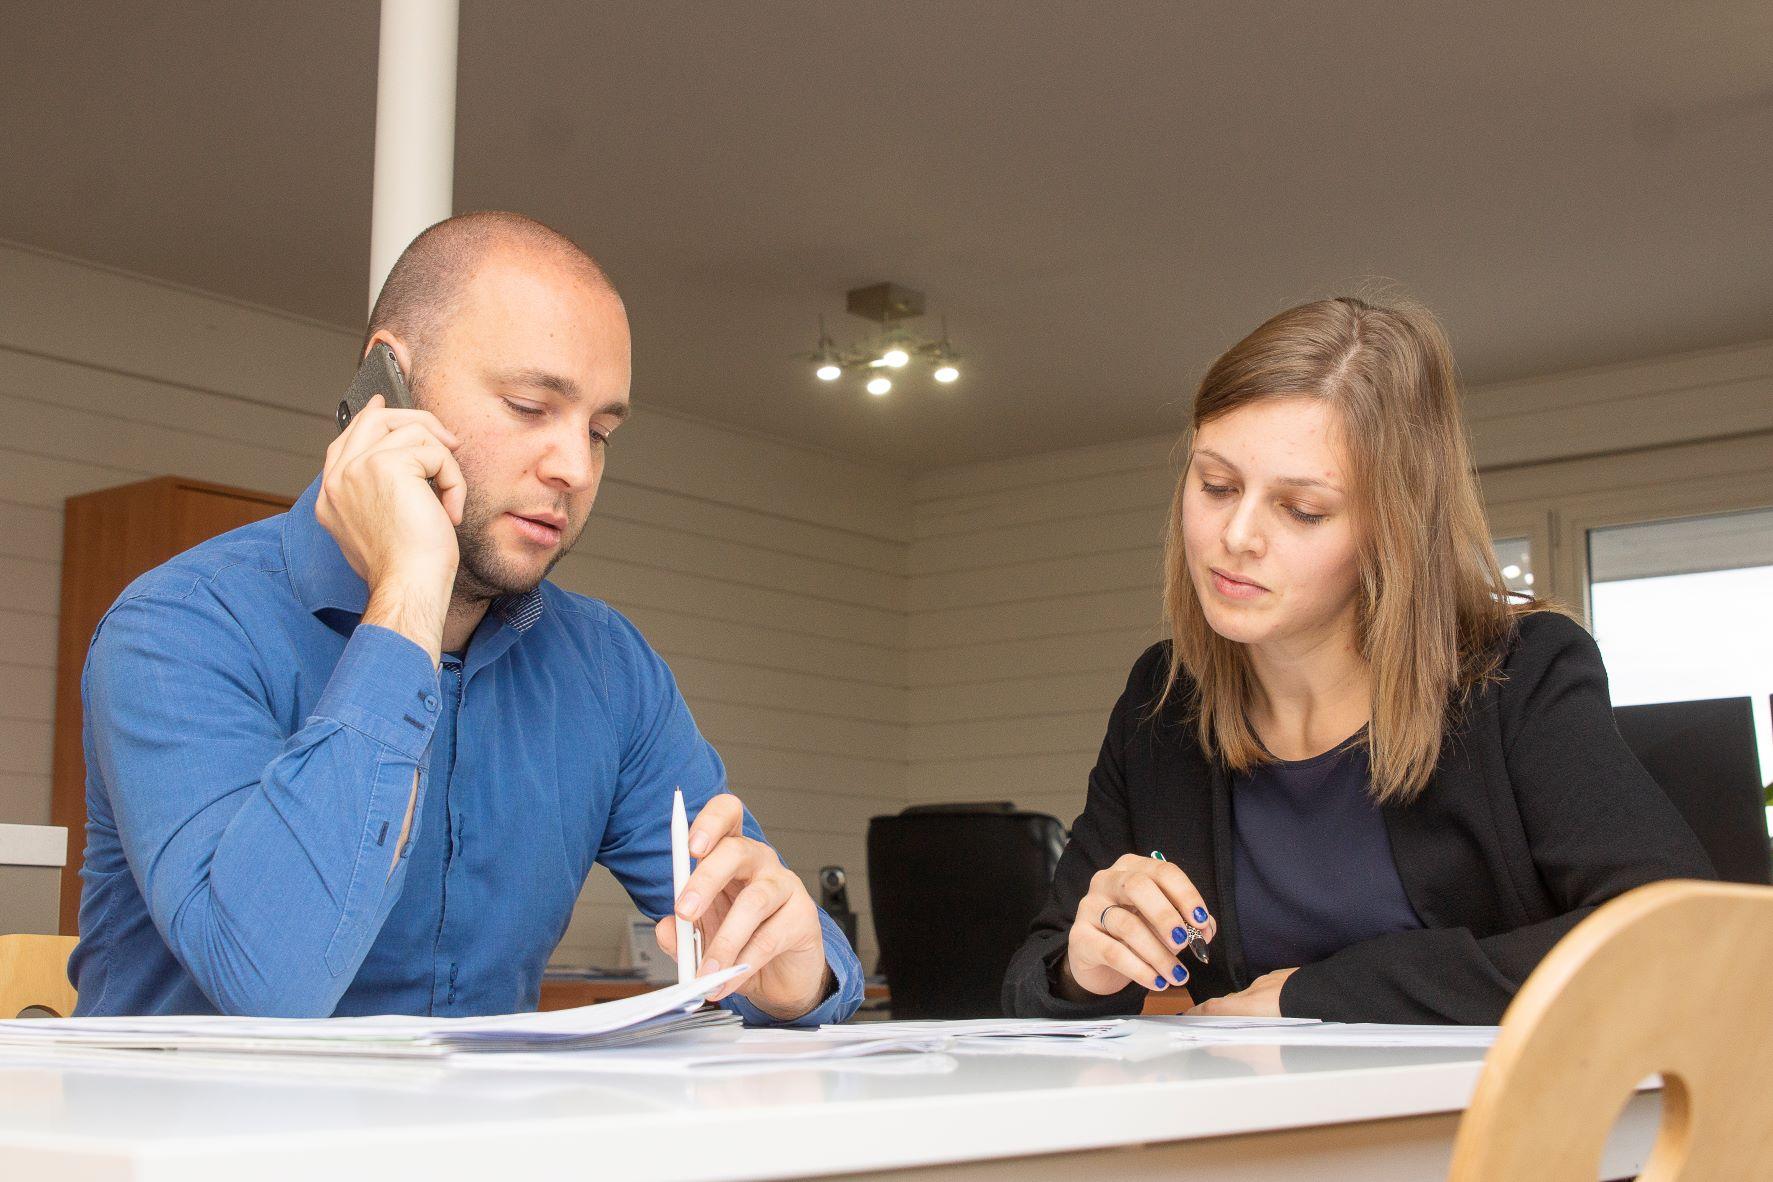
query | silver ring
(1102,920)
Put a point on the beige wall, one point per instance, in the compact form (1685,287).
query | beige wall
(1033,587)
(771,577)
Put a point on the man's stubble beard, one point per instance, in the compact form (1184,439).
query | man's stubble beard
(481,572)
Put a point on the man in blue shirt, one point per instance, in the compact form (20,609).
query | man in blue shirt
(360,757)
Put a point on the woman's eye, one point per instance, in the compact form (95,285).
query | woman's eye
(1216,490)
(1307,518)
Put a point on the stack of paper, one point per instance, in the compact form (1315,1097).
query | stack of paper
(672,1010)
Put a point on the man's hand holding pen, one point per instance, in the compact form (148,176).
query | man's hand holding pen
(751,910)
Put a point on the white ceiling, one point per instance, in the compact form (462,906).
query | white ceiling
(1101,196)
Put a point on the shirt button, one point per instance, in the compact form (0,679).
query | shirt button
(431,702)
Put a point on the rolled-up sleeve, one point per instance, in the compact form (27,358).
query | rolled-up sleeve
(267,859)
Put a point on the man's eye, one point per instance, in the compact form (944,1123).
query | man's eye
(523,409)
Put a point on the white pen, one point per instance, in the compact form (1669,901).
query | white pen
(688,939)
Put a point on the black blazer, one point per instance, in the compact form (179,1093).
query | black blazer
(1536,814)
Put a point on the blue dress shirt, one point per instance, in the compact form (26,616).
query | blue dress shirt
(250,751)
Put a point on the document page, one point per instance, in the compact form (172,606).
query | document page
(671,1010)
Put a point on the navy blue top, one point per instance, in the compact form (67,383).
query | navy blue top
(1314,871)
(251,748)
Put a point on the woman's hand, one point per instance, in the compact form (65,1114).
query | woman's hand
(1260,1000)
(1130,928)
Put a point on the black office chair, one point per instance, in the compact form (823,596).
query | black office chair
(953,889)
(1703,756)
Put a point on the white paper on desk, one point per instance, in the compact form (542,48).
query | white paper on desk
(901,1043)
(956,1032)
(753,1050)
(1228,1022)
(1138,1040)
(648,1015)
(1338,1034)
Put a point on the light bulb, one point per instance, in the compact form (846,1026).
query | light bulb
(946,374)
(895,357)
(1511,571)
(1528,578)
(828,372)
(879,386)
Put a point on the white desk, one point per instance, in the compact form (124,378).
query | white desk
(1313,1113)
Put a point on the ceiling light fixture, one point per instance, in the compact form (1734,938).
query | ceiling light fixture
(893,348)
(826,355)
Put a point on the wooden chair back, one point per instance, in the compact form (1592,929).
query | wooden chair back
(1674,978)
(34,972)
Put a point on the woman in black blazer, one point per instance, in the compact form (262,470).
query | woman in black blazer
(1358,782)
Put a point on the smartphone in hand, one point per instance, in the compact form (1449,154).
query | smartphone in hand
(378,374)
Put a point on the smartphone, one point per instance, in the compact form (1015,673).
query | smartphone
(379,374)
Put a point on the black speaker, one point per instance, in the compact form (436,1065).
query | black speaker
(834,900)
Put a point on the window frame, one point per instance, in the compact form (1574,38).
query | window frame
(1557,503)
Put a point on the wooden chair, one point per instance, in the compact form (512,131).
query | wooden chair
(34,972)
(1671,978)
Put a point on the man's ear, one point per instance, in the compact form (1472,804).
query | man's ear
(402,355)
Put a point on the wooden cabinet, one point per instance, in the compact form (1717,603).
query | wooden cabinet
(108,538)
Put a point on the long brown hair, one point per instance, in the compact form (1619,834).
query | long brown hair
(1434,611)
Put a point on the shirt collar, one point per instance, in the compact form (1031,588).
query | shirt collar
(326,584)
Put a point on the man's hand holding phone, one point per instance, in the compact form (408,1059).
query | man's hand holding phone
(391,495)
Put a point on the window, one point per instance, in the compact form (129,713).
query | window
(1515,557)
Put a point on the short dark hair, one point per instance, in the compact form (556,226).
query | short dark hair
(426,282)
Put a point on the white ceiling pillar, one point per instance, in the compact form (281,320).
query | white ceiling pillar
(415,128)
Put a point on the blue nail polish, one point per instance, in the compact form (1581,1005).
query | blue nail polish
(1161,983)
(1178,937)
(1180,973)
(1200,915)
